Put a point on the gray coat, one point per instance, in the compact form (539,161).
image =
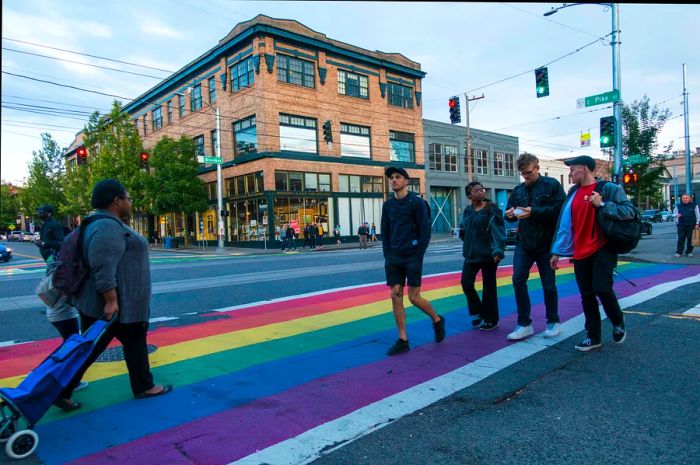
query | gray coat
(118,258)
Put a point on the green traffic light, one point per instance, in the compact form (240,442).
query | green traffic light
(605,139)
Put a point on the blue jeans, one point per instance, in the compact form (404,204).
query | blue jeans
(522,262)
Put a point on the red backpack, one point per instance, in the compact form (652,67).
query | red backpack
(71,267)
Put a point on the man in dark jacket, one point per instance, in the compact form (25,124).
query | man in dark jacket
(535,203)
(688,220)
(578,235)
(51,233)
(363,233)
(405,238)
(483,233)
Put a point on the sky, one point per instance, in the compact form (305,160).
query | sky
(465,48)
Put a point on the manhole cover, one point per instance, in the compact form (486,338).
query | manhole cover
(116,354)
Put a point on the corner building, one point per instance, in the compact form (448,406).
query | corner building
(276,84)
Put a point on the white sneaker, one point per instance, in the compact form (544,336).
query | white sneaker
(690,255)
(521,332)
(677,255)
(82,385)
(553,330)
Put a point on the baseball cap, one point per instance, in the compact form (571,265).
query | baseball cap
(584,160)
(393,169)
(45,209)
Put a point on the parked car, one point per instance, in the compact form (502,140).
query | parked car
(16,236)
(5,253)
(511,231)
(28,236)
(667,216)
(646,228)
(652,215)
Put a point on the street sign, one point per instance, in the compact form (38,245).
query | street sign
(599,99)
(585,139)
(206,159)
(635,159)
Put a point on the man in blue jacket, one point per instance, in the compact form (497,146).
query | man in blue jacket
(405,238)
(579,236)
(688,220)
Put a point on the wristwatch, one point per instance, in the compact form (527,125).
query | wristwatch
(602,204)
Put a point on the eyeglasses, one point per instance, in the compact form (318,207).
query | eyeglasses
(528,173)
(478,189)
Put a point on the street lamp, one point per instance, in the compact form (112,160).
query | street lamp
(617,82)
(219,186)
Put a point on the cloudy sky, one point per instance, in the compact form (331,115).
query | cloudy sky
(463,47)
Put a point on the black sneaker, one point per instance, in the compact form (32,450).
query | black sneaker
(399,347)
(477,320)
(488,326)
(619,333)
(586,345)
(439,329)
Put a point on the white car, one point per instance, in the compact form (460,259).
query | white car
(16,236)
(28,237)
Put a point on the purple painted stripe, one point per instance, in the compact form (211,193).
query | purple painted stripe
(236,433)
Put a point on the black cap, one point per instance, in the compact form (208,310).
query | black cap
(584,160)
(45,209)
(393,169)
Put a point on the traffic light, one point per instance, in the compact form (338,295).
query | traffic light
(455,113)
(629,178)
(81,152)
(327,132)
(607,131)
(143,160)
(542,82)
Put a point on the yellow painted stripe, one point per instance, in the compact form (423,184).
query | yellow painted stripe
(241,338)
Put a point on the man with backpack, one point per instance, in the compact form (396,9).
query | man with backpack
(688,217)
(405,238)
(579,235)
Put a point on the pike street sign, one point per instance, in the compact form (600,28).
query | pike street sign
(600,99)
(635,159)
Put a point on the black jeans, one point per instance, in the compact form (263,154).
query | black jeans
(685,237)
(594,276)
(487,307)
(133,338)
(522,262)
(67,328)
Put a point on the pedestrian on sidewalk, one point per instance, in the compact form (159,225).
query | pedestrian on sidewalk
(482,231)
(363,234)
(283,236)
(313,232)
(578,236)
(118,285)
(307,240)
(291,234)
(405,238)
(536,204)
(373,233)
(336,233)
(688,218)
(319,241)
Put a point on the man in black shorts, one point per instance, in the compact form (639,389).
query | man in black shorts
(405,237)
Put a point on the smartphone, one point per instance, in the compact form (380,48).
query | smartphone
(518,211)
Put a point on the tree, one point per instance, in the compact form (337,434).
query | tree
(174,186)
(9,205)
(46,176)
(641,125)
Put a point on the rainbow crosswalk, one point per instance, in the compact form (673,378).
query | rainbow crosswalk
(273,371)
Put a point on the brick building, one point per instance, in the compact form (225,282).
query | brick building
(276,83)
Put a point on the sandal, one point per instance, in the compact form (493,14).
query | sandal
(145,395)
(67,405)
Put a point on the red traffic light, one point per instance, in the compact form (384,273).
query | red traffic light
(452,103)
(144,156)
(629,177)
(81,152)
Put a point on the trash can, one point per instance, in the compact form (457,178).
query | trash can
(170,243)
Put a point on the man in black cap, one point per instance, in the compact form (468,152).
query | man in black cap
(51,233)
(578,236)
(405,237)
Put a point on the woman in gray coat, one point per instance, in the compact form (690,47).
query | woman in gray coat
(117,286)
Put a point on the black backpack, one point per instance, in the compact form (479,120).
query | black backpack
(623,235)
(71,268)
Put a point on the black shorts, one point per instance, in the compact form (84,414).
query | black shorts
(402,269)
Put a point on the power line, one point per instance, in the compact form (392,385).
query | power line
(64,85)
(88,55)
(550,20)
(81,63)
(52,101)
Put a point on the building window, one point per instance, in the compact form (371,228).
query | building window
(214,137)
(199,145)
(402,146)
(245,136)
(354,85)
(509,164)
(242,74)
(211,190)
(157,118)
(324,182)
(355,141)
(145,125)
(295,71)
(181,105)
(212,89)
(414,186)
(170,111)
(435,157)
(297,181)
(298,133)
(247,184)
(400,96)
(498,162)
(196,98)
(352,183)
(136,125)
(481,161)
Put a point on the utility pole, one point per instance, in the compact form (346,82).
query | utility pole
(617,86)
(470,173)
(688,166)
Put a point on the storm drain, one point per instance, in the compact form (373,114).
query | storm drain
(116,354)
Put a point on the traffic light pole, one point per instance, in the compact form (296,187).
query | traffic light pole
(470,173)
(688,169)
(617,86)
(219,187)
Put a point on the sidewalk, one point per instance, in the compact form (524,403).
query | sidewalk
(275,248)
